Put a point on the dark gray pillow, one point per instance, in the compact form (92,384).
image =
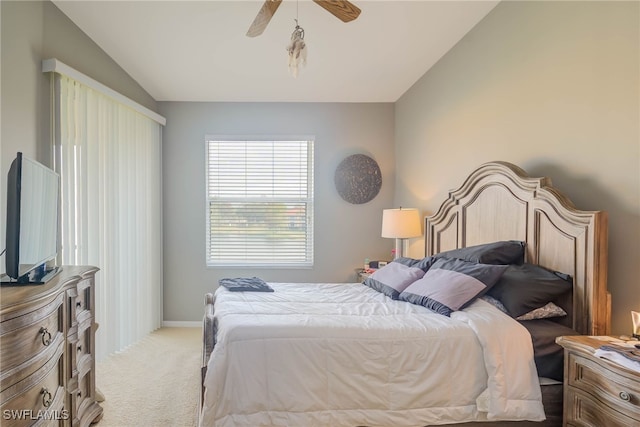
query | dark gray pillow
(394,277)
(452,284)
(423,264)
(505,252)
(525,287)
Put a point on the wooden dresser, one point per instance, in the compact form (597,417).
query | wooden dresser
(597,392)
(47,367)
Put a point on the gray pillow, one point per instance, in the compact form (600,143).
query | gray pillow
(393,278)
(504,252)
(495,302)
(526,287)
(424,263)
(452,284)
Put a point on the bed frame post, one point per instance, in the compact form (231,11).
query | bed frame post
(208,342)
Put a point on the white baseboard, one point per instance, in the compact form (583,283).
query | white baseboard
(180,324)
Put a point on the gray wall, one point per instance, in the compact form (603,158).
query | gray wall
(552,87)
(345,234)
(30,32)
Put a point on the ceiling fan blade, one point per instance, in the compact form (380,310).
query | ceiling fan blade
(263,17)
(341,9)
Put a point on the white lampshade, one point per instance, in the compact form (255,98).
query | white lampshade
(401,223)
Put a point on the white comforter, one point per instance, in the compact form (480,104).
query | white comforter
(314,354)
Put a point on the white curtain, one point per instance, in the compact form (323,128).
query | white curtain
(109,159)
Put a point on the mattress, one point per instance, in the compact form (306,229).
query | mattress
(343,354)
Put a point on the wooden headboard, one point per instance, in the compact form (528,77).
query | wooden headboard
(499,201)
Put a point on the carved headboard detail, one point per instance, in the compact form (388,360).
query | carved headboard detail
(499,201)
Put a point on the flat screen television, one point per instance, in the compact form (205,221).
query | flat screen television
(32,222)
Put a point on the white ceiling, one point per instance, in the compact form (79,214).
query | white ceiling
(198,50)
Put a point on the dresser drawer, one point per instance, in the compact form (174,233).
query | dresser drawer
(79,347)
(79,301)
(83,302)
(82,399)
(30,336)
(585,411)
(83,390)
(609,386)
(38,399)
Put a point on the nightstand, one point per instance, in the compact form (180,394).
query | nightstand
(597,392)
(361,274)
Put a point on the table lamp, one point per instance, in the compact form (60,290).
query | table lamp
(400,224)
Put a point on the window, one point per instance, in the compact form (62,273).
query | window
(259,202)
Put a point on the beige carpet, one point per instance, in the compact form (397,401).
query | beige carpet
(153,383)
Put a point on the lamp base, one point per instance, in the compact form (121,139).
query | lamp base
(399,248)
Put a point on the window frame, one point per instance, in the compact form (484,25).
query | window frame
(309,200)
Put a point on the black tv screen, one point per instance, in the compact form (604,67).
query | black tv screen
(32,219)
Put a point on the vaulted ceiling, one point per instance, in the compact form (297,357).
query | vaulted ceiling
(199,51)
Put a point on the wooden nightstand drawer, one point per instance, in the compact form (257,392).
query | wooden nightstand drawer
(597,392)
(586,411)
(617,391)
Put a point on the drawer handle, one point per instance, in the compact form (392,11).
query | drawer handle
(46,397)
(78,304)
(79,348)
(46,336)
(625,396)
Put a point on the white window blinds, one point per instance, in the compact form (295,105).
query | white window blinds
(259,203)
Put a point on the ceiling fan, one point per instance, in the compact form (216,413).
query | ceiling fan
(341,9)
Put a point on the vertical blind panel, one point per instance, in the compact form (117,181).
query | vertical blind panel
(260,202)
(108,157)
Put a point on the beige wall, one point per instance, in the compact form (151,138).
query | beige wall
(30,32)
(552,87)
(345,234)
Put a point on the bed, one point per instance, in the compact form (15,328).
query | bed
(348,354)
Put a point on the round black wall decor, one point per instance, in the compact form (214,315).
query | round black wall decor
(358,179)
